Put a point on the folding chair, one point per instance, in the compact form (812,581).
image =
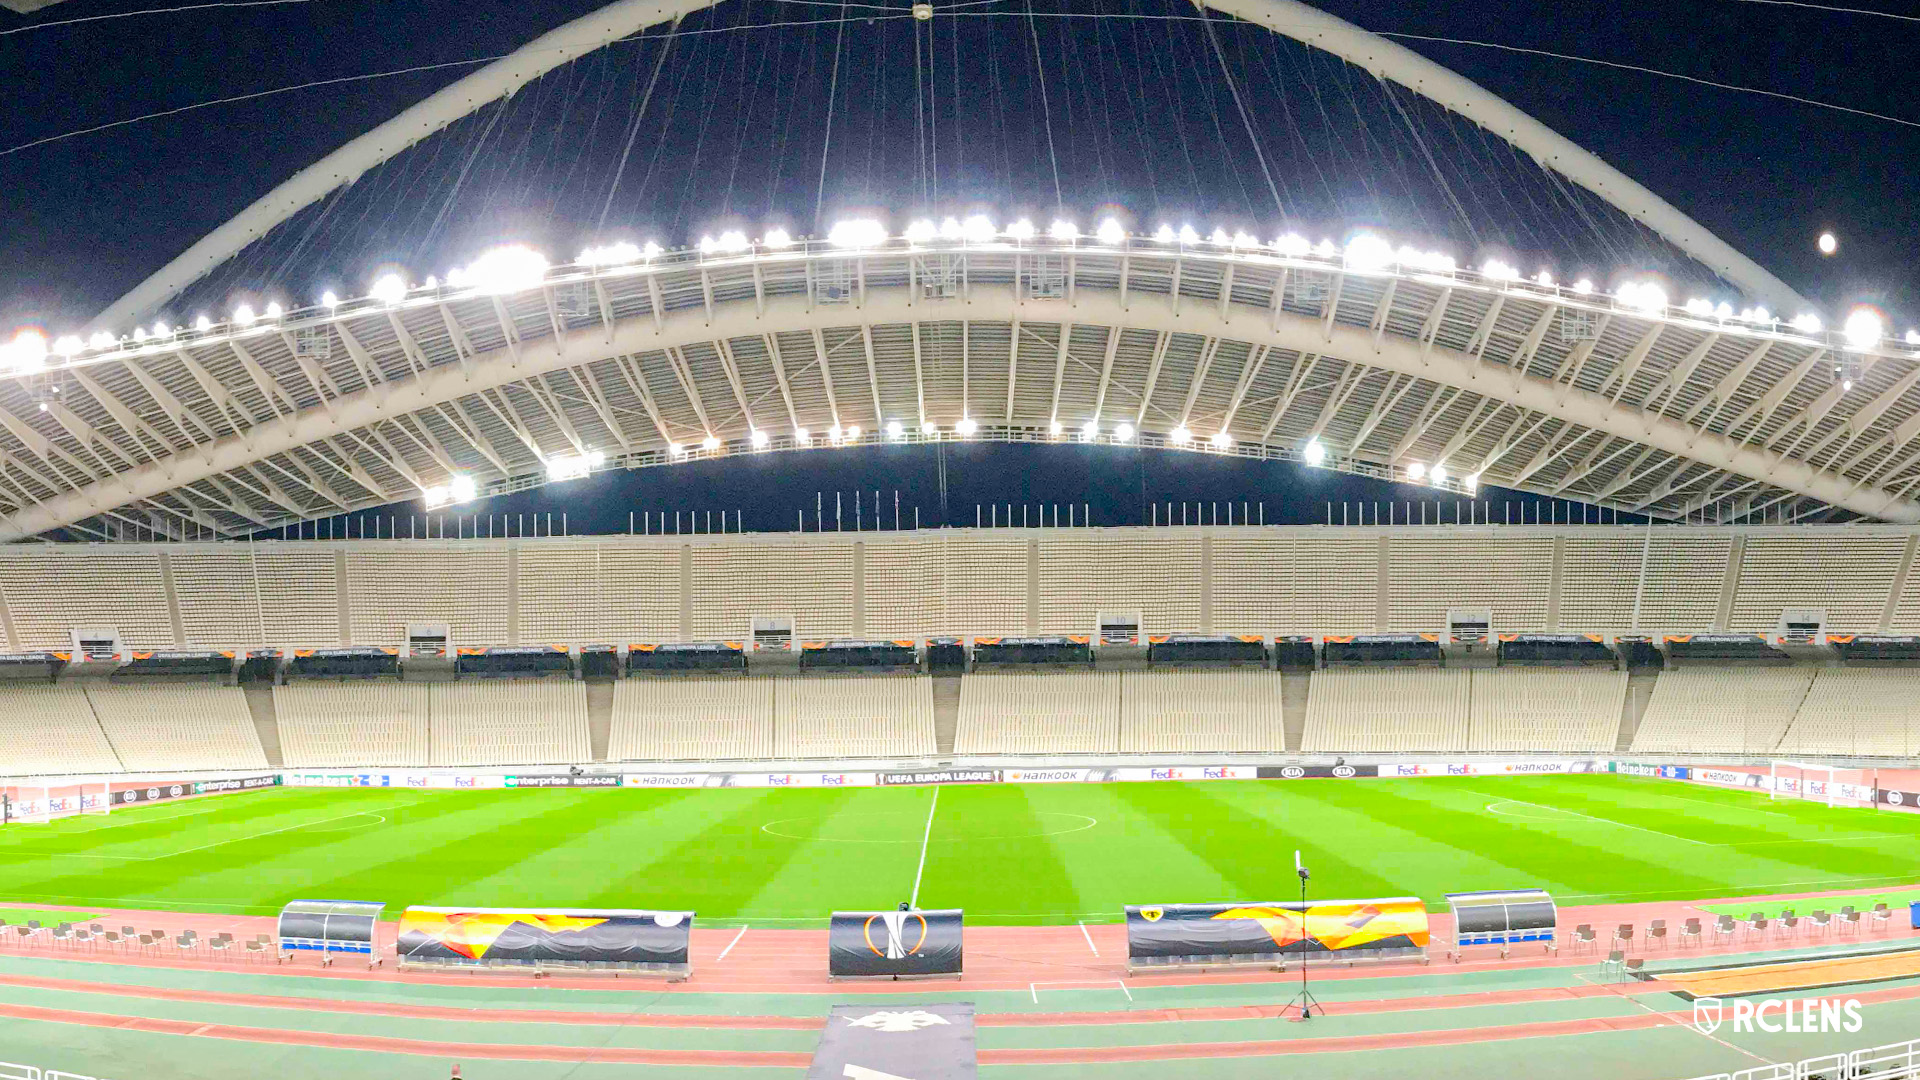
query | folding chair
(1820,921)
(1690,929)
(1850,919)
(1882,917)
(1725,928)
(1789,925)
(219,943)
(1623,935)
(1633,966)
(1584,935)
(1615,963)
(256,948)
(1757,924)
(1657,930)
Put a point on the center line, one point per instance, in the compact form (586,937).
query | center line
(925,836)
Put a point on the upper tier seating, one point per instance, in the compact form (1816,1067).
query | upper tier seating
(1065,712)
(1721,710)
(1858,712)
(509,722)
(1562,710)
(344,724)
(158,727)
(51,729)
(1229,711)
(854,716)
(1358,710)
(684,718)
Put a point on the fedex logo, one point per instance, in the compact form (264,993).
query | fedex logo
(833,780)
(1160,774)
(1213,774)
(780,780)
(1459,770)
(464,781)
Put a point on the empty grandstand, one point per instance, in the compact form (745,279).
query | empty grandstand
(1039,713)
(1721,710)
(692,719)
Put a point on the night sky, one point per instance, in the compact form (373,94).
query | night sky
(84,219)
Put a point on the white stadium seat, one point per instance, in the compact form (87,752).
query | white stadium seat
(1230,711)
(1558,710)
(1858,712)
(51,729)
(685,718)
(1390,710)
(509,722)
(327,724)
(1039,713)
(1721,710)
(156,727)
(854,716)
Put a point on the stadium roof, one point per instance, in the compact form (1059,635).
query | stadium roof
(1510,381)
(1383,360)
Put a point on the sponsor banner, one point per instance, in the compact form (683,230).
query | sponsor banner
(894,1042)
(894,943)
(1662,772)
(1190,772)
(245,783)
(942,776)
(1735,778)
(1350,929)
(1902,800)
(156,792)
(660,780)
(593,781)
(1061,776)
(1315,772)
(492,937)
(1485,768)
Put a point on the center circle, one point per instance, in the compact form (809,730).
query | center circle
(1552,814)
(874,828)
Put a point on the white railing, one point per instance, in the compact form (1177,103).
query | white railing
(1894,1061)
(11,1071)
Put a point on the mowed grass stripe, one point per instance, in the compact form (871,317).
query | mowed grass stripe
(1008,854)
(1345,820)
(989,852)
(1130,857)
(854,847)
(1569,856)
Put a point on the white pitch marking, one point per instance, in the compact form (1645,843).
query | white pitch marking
(1589,817)
(925,837)
(269,832)
(1085,934)
(731,944)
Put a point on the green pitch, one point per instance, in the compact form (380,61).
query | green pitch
(1018,854)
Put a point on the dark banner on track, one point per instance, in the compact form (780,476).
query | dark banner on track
(1353,929)
(1313,772)
(943,776)
(894,943)
(330,925)
(895,1042)
(485,937)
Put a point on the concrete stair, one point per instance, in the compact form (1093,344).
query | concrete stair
(946,712)
(266,723)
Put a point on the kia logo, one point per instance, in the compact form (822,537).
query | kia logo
(1343,771)
(1293,772)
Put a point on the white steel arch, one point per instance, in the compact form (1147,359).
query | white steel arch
(1290,18)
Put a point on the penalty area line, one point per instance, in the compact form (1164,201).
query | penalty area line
(1590,817)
